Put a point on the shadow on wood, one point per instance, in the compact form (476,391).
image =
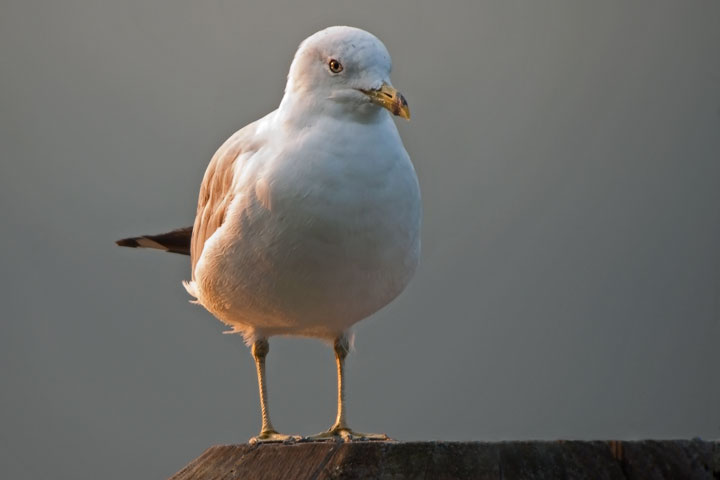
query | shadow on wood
(648,459)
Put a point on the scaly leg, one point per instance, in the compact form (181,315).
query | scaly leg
(268,433)
(340,429)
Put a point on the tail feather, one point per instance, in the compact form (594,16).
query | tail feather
(177,241)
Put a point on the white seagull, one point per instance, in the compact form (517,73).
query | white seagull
(308,219)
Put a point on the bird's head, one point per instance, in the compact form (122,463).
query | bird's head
(344,70)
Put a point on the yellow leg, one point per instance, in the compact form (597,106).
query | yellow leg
(340,429)
(268,433)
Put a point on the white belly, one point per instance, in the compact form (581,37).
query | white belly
(313,261)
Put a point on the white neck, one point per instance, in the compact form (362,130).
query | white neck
(302,108)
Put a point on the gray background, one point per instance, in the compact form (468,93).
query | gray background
(569,159)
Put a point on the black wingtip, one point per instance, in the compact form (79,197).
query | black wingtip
(177,241)
(127,242)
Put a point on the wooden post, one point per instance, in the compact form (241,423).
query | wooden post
(647,459)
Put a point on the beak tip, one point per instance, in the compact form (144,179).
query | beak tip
(403,111)
(389,98)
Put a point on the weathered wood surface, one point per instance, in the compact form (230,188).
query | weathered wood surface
(598,460)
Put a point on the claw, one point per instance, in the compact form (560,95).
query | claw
(346,435)
(274,437)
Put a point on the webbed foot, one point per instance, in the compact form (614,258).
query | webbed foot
(271,436)
(346,434)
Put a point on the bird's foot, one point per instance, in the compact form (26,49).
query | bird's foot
(271,436)
(345,434)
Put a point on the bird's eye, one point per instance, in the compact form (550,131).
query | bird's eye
(335,66)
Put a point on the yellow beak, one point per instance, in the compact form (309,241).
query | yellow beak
(387,97)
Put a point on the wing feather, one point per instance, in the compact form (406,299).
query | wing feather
(177,241)
(216,194)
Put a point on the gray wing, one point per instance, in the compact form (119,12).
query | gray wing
(216,193)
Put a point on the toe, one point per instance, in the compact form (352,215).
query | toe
(274,437)
(346,435)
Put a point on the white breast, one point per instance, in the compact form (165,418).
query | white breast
(319,235)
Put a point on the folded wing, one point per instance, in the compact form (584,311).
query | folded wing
(177,241)
(216,194)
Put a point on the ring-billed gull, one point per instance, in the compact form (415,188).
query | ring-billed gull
(308,219)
